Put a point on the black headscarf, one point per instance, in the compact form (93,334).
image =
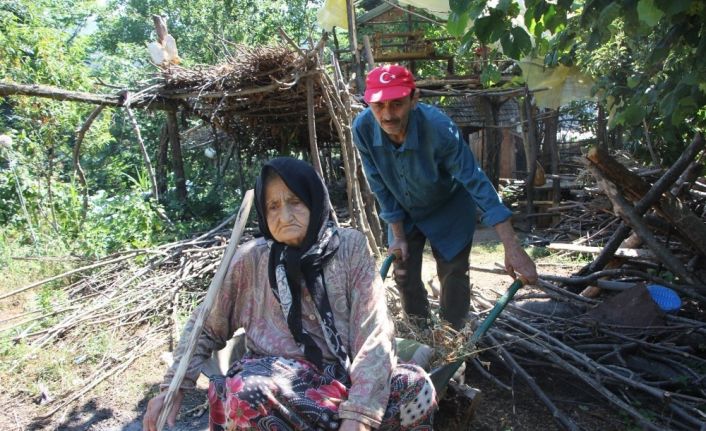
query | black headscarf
(306,261)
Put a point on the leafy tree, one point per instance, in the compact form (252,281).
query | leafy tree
(647,55)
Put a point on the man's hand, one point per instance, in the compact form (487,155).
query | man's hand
(352,425)
(517,262)
(399,245)
(154,408)
(399,248)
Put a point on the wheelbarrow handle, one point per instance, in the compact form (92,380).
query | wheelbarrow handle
(441,375)
(385,268)
(497,309)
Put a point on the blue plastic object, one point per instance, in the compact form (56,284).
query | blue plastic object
(666,298)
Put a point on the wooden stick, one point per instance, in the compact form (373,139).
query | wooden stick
(205,309)
(145,154)
(80,134)
(66,274)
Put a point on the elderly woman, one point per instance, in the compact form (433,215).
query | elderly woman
(320,341)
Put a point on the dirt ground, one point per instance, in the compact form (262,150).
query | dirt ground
(118,405)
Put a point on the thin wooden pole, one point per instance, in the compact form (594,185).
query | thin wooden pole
(368,53)
(145,155)
(353,38)
(311,121)
(205,308)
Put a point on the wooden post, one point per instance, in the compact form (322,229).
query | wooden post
(177,160)
(205,308)
(530,144)
(311,120)
(368,54)
(550,129)
(162,160)
(353,38)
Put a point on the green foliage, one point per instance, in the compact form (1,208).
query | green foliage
(647,56)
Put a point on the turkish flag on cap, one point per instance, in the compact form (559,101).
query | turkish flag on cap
(388,82)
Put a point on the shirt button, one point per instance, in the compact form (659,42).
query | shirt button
(312,317)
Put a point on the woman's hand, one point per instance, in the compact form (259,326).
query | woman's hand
(353,425)
(154,408)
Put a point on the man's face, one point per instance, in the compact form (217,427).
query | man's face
(393,116)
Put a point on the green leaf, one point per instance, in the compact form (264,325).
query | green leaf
(521,39)
(459,6)
(483,27)
(631,115)
(457,23)
(633,81)
(476,9)
(648,12)
(504,5)
(467,42)
(674,7)
(490,75)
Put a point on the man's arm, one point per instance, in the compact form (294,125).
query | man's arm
(517,262)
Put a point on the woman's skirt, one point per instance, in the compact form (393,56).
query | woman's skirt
(274,393)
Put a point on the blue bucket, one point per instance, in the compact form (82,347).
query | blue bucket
(666,298)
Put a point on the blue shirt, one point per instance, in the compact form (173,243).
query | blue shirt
(431,181)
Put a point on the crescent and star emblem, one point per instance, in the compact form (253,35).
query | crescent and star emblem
(386,77)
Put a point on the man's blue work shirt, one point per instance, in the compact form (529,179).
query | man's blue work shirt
(431,181)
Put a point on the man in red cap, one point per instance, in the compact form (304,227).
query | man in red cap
(428,185)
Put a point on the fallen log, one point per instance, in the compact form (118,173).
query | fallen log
(631,217)
(689,225)
(661,186)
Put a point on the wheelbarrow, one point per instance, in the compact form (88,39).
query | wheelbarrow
(441,375)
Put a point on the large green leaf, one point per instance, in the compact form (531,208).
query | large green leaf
(459,6)
(649,13)
(631,115)
(483,27)
(504,5)
(467,42)
(457,23)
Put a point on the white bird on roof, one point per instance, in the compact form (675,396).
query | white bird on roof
(157,53)
(170,47)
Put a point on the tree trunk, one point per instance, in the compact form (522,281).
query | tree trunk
(529,141)
(177,161)
(601,126)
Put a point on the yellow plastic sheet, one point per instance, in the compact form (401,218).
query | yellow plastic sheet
(333,14)
(560,85)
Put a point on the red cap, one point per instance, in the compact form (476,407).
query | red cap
(388,82)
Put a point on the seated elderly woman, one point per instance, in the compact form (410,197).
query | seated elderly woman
(320,341)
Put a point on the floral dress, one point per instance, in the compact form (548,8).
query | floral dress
(278,394)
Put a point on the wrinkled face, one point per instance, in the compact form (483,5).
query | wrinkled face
(287,216)
(393,116)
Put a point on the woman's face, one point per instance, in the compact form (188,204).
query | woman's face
(287,216)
